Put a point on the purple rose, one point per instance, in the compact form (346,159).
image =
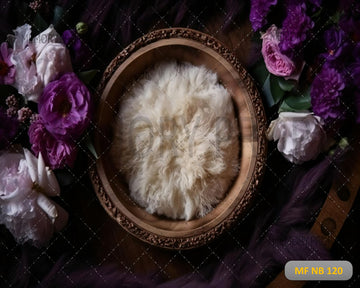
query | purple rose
(8,128)
(56,153)
(259,11)
(276,62)
(295,29)
(64,107)
(79,50)
(7,69)
(326,92)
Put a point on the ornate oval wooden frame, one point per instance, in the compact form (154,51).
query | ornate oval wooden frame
(108,198)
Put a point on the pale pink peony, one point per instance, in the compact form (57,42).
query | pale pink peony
(25,209)
(52,56)
(39,61)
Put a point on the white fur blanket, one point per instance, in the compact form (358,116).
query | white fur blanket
(176,140)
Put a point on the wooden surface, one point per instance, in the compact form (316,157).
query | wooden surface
(183,45)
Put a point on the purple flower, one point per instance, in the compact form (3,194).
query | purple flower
(8,128)
(326,92)
(335,44)
(79,50)
(295,29)
(7,69)
(311,4)
(56,153)
(64,107)
(350,21)
(259,11)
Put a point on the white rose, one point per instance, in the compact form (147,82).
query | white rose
(301,136)
(39,61)
(25,209)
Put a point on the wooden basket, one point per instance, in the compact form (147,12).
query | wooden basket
(184,45)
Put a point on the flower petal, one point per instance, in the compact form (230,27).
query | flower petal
(47,206)
(32,165)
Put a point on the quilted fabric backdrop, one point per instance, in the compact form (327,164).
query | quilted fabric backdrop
(94,251)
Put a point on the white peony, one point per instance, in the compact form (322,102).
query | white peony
(25,209)
(301,136)
(39,61)
(52,56)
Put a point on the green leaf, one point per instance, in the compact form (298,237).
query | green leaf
(336,17)
(276,90)
(286,85)
(58,13)
(64,177)
(296,102)
(89,144)
(87,76)
(271,88)
(259,72)
(266,89)
(39,23)
(272,91)
(284,107)
(300,102)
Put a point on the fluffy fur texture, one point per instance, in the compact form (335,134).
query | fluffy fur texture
(177,138)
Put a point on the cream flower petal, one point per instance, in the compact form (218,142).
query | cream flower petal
(21,37)
(47,206)
(44,38)
(32,163)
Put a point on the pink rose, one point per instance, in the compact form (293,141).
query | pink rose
(276,62)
